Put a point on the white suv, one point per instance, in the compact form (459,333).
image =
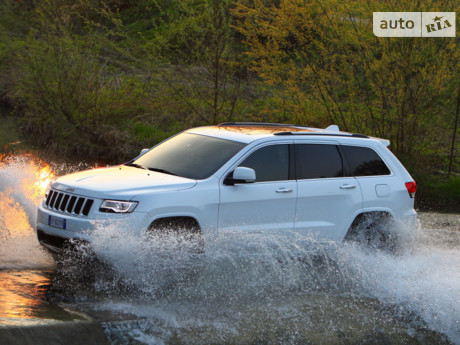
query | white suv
(247,177)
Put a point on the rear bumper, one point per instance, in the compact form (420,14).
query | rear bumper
(409,219)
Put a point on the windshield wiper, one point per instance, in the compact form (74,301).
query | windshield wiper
(136,165)
(164,171)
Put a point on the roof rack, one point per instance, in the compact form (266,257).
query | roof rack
(355,135)
(330,131)
(260,124)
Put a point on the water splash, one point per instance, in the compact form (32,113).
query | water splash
(426,283)
(294,289)
(23,181)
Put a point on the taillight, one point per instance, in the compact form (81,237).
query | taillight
(411,188)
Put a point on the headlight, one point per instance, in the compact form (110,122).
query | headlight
(115,206)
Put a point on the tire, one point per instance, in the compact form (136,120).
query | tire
(375,230)
(177,246)
(185,230)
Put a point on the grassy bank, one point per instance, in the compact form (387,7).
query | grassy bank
(438,192)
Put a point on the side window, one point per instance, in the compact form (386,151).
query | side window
(365,162)
(271,163)
(317,161)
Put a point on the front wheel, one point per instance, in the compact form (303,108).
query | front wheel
(180,233)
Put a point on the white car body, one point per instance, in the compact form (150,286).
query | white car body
(323,208)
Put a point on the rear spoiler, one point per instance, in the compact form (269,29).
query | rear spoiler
(385,142)
(335,128)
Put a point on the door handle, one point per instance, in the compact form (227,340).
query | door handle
(348,186)
(285,190)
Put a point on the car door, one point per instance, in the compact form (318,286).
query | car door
(380,187)
(268,204)
(328,200)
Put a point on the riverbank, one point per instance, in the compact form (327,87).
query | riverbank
(437,192)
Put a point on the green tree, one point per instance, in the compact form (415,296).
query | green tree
(323,65)
(203,68)
(70,89)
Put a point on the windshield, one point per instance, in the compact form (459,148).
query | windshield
(189,155)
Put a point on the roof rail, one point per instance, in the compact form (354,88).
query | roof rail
(355,135)
(260,124)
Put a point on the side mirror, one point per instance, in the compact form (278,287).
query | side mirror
(143,151)
(244,175)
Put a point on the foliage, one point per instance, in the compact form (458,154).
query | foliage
(438,192)
(203,71)
(104,78)
(71,98)
(324,65)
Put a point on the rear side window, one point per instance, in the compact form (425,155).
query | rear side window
(271,163)
(317,161)
(365,162)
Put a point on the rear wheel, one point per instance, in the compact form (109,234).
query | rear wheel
(375,230)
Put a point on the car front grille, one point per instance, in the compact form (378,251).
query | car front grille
(68,203)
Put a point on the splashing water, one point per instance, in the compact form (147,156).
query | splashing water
(244,288)
(23,182)
(427,282)
(253,288)
(24,179)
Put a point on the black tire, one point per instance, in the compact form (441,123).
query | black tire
(375,230)
(185,229)
(182,251)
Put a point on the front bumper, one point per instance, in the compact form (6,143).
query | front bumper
(82,229)
(56,244)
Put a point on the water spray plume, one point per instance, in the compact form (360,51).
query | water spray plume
(24,179)
(44,178)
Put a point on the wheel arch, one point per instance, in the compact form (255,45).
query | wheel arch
(186,223)
(367,220)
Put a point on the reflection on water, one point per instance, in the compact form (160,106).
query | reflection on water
(22,293)
(23,296)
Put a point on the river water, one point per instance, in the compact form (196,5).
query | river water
(251,290)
